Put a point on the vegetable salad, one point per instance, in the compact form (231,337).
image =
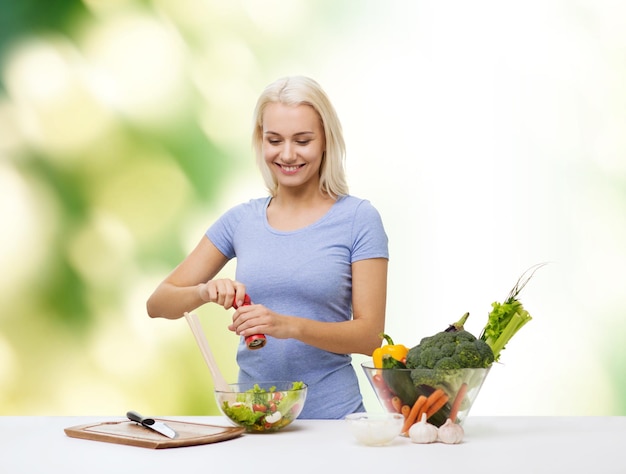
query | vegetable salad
(265,411)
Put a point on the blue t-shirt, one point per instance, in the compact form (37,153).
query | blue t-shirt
(306,273)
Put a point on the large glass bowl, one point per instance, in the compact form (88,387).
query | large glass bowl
(461,387)
(262,407)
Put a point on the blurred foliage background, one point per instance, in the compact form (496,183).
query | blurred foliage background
(489,135)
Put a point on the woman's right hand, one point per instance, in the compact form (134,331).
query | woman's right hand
(223,291)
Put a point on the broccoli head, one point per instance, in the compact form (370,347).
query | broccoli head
(445,361)
(450,350)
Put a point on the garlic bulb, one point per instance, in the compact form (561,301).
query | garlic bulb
(423,432)
(450,432)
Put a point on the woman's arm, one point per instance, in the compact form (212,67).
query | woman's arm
(360,335)
(186,288)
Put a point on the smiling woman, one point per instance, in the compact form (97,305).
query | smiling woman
(312,258)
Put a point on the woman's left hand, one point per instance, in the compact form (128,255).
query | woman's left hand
(257,319)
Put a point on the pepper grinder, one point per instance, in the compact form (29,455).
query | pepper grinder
(256,341)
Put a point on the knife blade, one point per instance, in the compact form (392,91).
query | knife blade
(152,424)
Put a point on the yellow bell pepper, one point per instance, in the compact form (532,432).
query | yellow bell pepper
(397,351)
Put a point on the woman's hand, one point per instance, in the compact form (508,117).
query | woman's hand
(223,292)
(257,319)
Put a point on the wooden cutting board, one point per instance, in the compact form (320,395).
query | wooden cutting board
(132,434)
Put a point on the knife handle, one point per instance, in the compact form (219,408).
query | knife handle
(256,341)
(134,416)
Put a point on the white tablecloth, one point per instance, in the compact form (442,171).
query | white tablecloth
(529,445)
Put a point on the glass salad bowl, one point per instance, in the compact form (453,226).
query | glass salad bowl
(456,389)
(262,407)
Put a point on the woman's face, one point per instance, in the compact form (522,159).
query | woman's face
(293,144)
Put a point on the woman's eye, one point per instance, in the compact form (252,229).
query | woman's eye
(278,141)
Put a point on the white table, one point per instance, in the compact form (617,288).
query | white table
(528,445)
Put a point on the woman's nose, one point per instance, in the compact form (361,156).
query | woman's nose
(287,153)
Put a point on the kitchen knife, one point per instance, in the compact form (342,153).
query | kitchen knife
(151,423)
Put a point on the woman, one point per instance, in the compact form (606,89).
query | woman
(312,258)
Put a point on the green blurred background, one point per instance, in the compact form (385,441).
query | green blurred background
(490,135)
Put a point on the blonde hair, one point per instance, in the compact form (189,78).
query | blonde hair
(300,90)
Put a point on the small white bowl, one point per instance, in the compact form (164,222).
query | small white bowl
(375,429)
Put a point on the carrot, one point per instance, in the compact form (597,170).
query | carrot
(397,404)
(432,398)
(436,406)
(412,418)
(456,404)
(405,411)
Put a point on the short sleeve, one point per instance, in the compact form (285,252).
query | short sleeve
(369,237)
(221,233)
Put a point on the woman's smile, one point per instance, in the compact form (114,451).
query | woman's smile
(290,169)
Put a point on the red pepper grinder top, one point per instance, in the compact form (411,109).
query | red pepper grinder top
(256,341)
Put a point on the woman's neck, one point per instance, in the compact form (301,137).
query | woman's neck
(292,211)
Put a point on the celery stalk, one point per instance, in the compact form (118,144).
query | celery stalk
(506,319)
